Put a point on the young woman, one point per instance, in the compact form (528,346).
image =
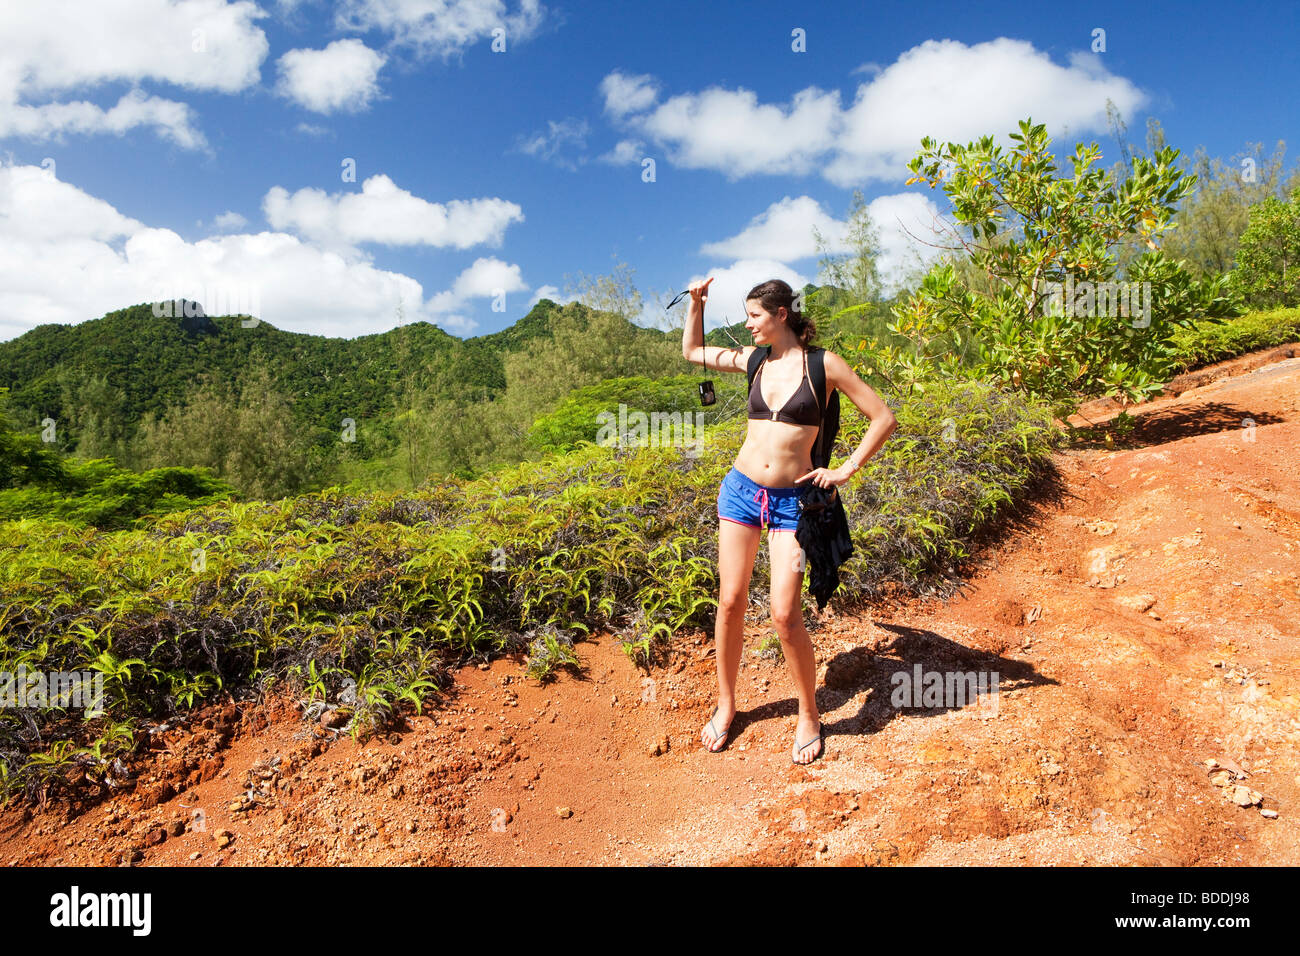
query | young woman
(763,488)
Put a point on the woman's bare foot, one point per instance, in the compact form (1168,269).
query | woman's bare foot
(718,730)
(808,740)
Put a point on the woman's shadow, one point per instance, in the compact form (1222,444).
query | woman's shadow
(915,670)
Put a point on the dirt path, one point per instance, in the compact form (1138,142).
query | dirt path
(1142,623)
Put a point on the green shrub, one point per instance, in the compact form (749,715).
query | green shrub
(1213,340)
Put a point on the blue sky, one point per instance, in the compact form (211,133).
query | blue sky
(157,146)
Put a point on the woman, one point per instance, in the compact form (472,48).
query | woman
(763,488)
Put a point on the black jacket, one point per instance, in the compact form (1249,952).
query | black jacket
(823,533)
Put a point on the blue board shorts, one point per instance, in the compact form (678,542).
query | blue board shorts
(745,501)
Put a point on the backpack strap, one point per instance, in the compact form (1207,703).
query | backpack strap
(756,359)
(817,375)
(830,410)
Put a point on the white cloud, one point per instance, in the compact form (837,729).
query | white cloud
(38,208)
(941,88)
(209,45)
(546,292)
(625,152)
(956,92)
(170,120)
(905,223)
(310,129)
(384,213)
(50,230)
(229,221)
(486,278)
(551,144)
(341,77)
(441,27)
(783,231)
(731,132)
(628,94)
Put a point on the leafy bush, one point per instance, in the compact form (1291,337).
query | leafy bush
(1213,340)
(1036,236)
(1267,273)
(37,481)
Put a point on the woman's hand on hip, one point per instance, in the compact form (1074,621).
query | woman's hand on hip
(826,477)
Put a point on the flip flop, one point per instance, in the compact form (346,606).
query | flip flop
(723,735)
(820,736)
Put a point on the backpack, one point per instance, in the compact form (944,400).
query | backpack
(830,426)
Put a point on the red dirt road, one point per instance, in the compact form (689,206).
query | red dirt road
(1144,620)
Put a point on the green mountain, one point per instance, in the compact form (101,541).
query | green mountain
(151,362)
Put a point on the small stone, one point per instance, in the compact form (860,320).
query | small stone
(223,837)
(195,855)
(1268,814)
(564,812)
(1244,796)
(1138,602)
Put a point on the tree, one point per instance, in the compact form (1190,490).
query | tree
(1129,249)
(24,458)
(615,293)
(585,347)
(1211,222)
(94,410)
(849,302)
(1039,238)
(1268,258)
(245,435)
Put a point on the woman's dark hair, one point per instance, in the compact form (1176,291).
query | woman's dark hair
(776,294)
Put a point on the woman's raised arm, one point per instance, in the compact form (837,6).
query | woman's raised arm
(693,348)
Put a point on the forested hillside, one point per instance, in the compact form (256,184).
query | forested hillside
(141,388)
